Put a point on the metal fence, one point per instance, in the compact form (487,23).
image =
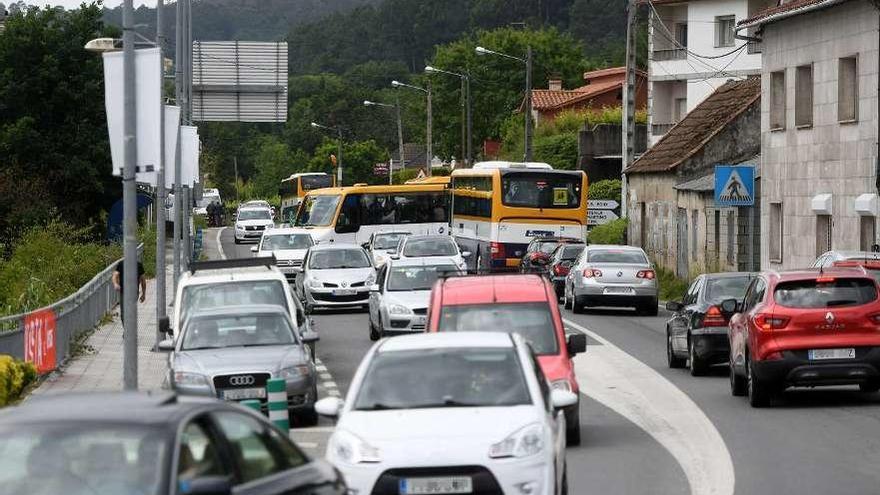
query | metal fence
(55,327)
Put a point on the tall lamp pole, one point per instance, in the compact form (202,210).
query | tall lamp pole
(160,179)
(396,106)
(466,122)
(528,63)
(429,141)
(338,131)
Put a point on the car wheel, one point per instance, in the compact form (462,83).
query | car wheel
(672,360)
(697,365)
(573,427)
(579,304)
(237,241)
(758,390)
(566,302)
(737,383)
(307,417)
(871,387)
(374,334)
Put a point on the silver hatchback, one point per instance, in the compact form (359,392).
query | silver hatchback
(620,276)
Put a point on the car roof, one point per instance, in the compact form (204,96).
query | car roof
(232,275)
(397,232)
(848,255)
(573,240)
(720,275)
(512,288)
(422,261)
(334,246)
(618,247)
(249,309)
(427,236)
(441,340)
(285,231)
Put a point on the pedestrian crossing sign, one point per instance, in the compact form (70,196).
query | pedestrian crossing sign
(734,185)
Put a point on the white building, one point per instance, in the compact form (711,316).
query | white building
(818,128)
(682,35)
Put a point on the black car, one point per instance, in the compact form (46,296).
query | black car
(537,255)
(696,332)
(561,261)
(151,444)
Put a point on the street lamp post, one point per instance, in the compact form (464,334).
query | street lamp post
(396,106)
(429,145)
(338,131)
(528,62)
(466,105)
(160,181)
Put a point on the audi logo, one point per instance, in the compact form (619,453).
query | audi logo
(241,380)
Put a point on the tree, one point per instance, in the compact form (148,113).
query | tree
(275,161)
(358,159)
(53,132)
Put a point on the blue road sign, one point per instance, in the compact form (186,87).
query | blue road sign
(734,185)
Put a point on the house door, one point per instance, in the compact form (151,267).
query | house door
(681,253)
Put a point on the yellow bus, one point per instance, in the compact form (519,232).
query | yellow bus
(499,207)
(295,187)
(352,214)
(438,179)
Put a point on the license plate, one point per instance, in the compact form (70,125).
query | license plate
(344,292)
(244,393)
(419,320)
(452,484)
(819,354)
(619,290)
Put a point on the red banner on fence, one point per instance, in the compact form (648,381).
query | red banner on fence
(39,340)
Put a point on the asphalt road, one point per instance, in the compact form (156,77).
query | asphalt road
(649,429)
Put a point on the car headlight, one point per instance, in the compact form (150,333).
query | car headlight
(190,379)
(526,441)
(563,385)
(239,227)
(397,309)
(350,448)
(294,372)
(315,283)
(371,279)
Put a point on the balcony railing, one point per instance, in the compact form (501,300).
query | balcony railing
(670,54)
(660,129)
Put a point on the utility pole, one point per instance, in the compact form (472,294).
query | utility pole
(629,106)
(129,206)
(430,145)
(235,167)
(339,155)
(160,180)
(464,153)
(528,139)
(179,99)
(187,84)
(399,141)
(470,126)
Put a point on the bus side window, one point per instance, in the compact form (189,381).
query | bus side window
(349,215)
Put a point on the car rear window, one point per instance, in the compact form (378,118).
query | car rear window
(834,293)
(532,321)
(617,256)
(720,289)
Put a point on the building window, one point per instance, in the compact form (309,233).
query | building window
(777,100)
(695,222)
(867,232)
(803,96)
(724,30)
(776,232)
(848,89)
(718,236)
(731,237)
(823,234)
(681,35)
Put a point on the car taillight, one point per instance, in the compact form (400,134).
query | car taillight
(592,272)
(560,270)
(647,274)
(771,322)
(714,318)
(496,250)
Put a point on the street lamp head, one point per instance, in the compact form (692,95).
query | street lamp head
(396,84)
(368,103)
(102,45)
(314,124)
(429,69)
(482,51)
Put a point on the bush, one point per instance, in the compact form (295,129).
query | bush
(613,232)
(671,287)
(559,150)
(605,189)
(147,237)
(15,376)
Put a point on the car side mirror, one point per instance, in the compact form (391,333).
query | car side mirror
(375,288)
(310,337)
(729,307)
(576,343)
(562,399)
(329,406)
(465,254)
(165,326)
(366,246)
(674,306)
(207,485)
(166,345)
(254,249)
(312,323)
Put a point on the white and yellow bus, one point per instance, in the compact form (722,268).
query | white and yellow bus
(294,188)
(499,207)
(352,214)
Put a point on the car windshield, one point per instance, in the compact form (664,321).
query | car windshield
(338,258)
(617,256)
(256,214)
(434,246)
(278,242)
(197,298)
(719,289)
(81,459)
(532,321)
(405,278)
(475,377)
(572,252)
(387,241)
(317,211)
(237,331)
(833,293)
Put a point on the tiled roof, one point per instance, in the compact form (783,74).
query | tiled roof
(545,99)
(703,184)
(699,126)
(790,8)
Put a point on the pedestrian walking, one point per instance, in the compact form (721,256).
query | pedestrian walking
(119,276)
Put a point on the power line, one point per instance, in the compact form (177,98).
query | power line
(669,36)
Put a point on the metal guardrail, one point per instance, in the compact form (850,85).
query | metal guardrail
(72,316)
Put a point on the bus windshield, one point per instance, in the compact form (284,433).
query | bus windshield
(318,211)
(541,190)
(310,182)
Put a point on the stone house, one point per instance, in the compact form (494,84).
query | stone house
(818,128)
(671,202)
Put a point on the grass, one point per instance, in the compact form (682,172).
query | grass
(671,287)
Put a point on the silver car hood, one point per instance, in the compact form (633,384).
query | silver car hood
(286,254)
(410,299)
(339,275)
(240,359)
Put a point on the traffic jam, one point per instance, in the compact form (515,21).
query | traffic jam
(465,287)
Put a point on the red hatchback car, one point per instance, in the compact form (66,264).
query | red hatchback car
(805,328)
(525,304)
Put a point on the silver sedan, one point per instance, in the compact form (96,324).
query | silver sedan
(230,353)
(619,276)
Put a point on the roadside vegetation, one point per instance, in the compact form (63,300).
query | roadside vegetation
(15,377)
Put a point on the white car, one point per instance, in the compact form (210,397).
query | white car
(289,247)
(437,247)
(335,275)
(381,243)
(251,222)
(462,412)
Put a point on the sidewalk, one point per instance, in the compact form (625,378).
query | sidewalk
(99,366)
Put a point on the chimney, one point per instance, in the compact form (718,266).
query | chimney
(555,85)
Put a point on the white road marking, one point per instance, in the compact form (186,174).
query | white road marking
(329,384)
(333,393)
(220,244)
(321,368)
(325,376)
(637,392)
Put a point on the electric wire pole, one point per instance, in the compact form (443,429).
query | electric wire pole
(129,206)
(629,109)
(160,180)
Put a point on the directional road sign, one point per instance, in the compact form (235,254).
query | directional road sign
(602,204)
(599,217)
